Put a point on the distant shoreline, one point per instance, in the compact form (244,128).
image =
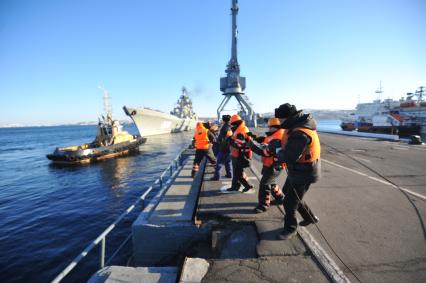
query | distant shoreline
(16,126)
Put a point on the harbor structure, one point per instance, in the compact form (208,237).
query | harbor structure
(233,85)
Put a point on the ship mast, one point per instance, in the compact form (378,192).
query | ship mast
(379,91)
(233,85)
(107,107)
(420,93)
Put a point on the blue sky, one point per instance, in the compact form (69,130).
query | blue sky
(315,54)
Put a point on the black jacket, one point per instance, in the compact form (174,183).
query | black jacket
(299,173)
(222,140)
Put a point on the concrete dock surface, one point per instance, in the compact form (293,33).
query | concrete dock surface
(371,202)
(376,229)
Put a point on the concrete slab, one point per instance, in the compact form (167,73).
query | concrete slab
(270,269)
(240,243)
(270,246)
(124,274)
(194,270)
(160,237)
(215,203)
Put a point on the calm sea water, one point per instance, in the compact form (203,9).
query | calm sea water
(49,214)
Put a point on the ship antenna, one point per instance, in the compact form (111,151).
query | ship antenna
(379,91)
(419,93)
(107,108)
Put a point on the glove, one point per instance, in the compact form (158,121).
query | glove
(277,150)
(259,139)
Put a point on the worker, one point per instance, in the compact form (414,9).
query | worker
(300,151)
(214,129)
(241,154)
(223,156)
(202,143)
(271,167)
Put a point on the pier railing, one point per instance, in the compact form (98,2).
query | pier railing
(168,174)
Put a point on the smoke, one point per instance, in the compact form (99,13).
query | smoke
(198,91)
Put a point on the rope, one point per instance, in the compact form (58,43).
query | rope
(319,230)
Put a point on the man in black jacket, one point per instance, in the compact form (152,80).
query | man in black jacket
(223,157)
(300,151)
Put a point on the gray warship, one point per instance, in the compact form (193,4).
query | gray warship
(154,122)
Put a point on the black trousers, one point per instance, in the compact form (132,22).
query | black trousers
(239,177)
(293,201)
(208,153)
(269,178)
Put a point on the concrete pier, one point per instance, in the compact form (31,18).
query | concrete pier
(168,230)
(370,201)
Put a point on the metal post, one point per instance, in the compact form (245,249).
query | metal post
(102,257)
(161,182)
(143,203)
(171,170)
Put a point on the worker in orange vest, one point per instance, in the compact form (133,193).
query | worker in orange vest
(271,167)
(300,151)
(241,154)
(202,143)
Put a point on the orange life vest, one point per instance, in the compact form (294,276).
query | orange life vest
(201,137)
(268,161)
(235,151)
(312,151)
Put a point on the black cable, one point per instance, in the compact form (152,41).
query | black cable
(325,239)
(319,230)
(422,224)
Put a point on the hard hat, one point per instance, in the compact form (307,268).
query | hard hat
(235,118)
(274,122)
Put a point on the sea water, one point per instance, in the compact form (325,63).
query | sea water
(49,214)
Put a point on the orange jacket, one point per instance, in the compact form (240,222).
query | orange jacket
(201,137)
(268,161)
(312,151)
(235,151)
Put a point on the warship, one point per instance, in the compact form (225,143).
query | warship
(111,141)
(154,122)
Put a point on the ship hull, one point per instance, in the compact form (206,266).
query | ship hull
(402,131)
(152,122)
(90,155)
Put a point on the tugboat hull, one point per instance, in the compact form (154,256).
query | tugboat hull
(89,155)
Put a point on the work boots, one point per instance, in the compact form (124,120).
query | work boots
(248,188)
(264,199)
(195,169)
(277,194)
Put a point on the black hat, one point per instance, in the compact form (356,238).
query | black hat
(285,110)
(226,118)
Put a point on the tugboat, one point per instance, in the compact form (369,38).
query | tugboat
(111,141)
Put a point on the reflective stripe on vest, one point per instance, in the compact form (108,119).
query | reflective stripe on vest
(312,151)
(242,129)
(201,137)
(278,135)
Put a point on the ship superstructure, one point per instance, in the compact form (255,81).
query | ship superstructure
(111,141)
(406,116)
(154,122)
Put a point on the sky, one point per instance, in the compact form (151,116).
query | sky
(327,54)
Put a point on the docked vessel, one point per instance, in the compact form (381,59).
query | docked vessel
(111,141)
(154,122)
(403,117)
